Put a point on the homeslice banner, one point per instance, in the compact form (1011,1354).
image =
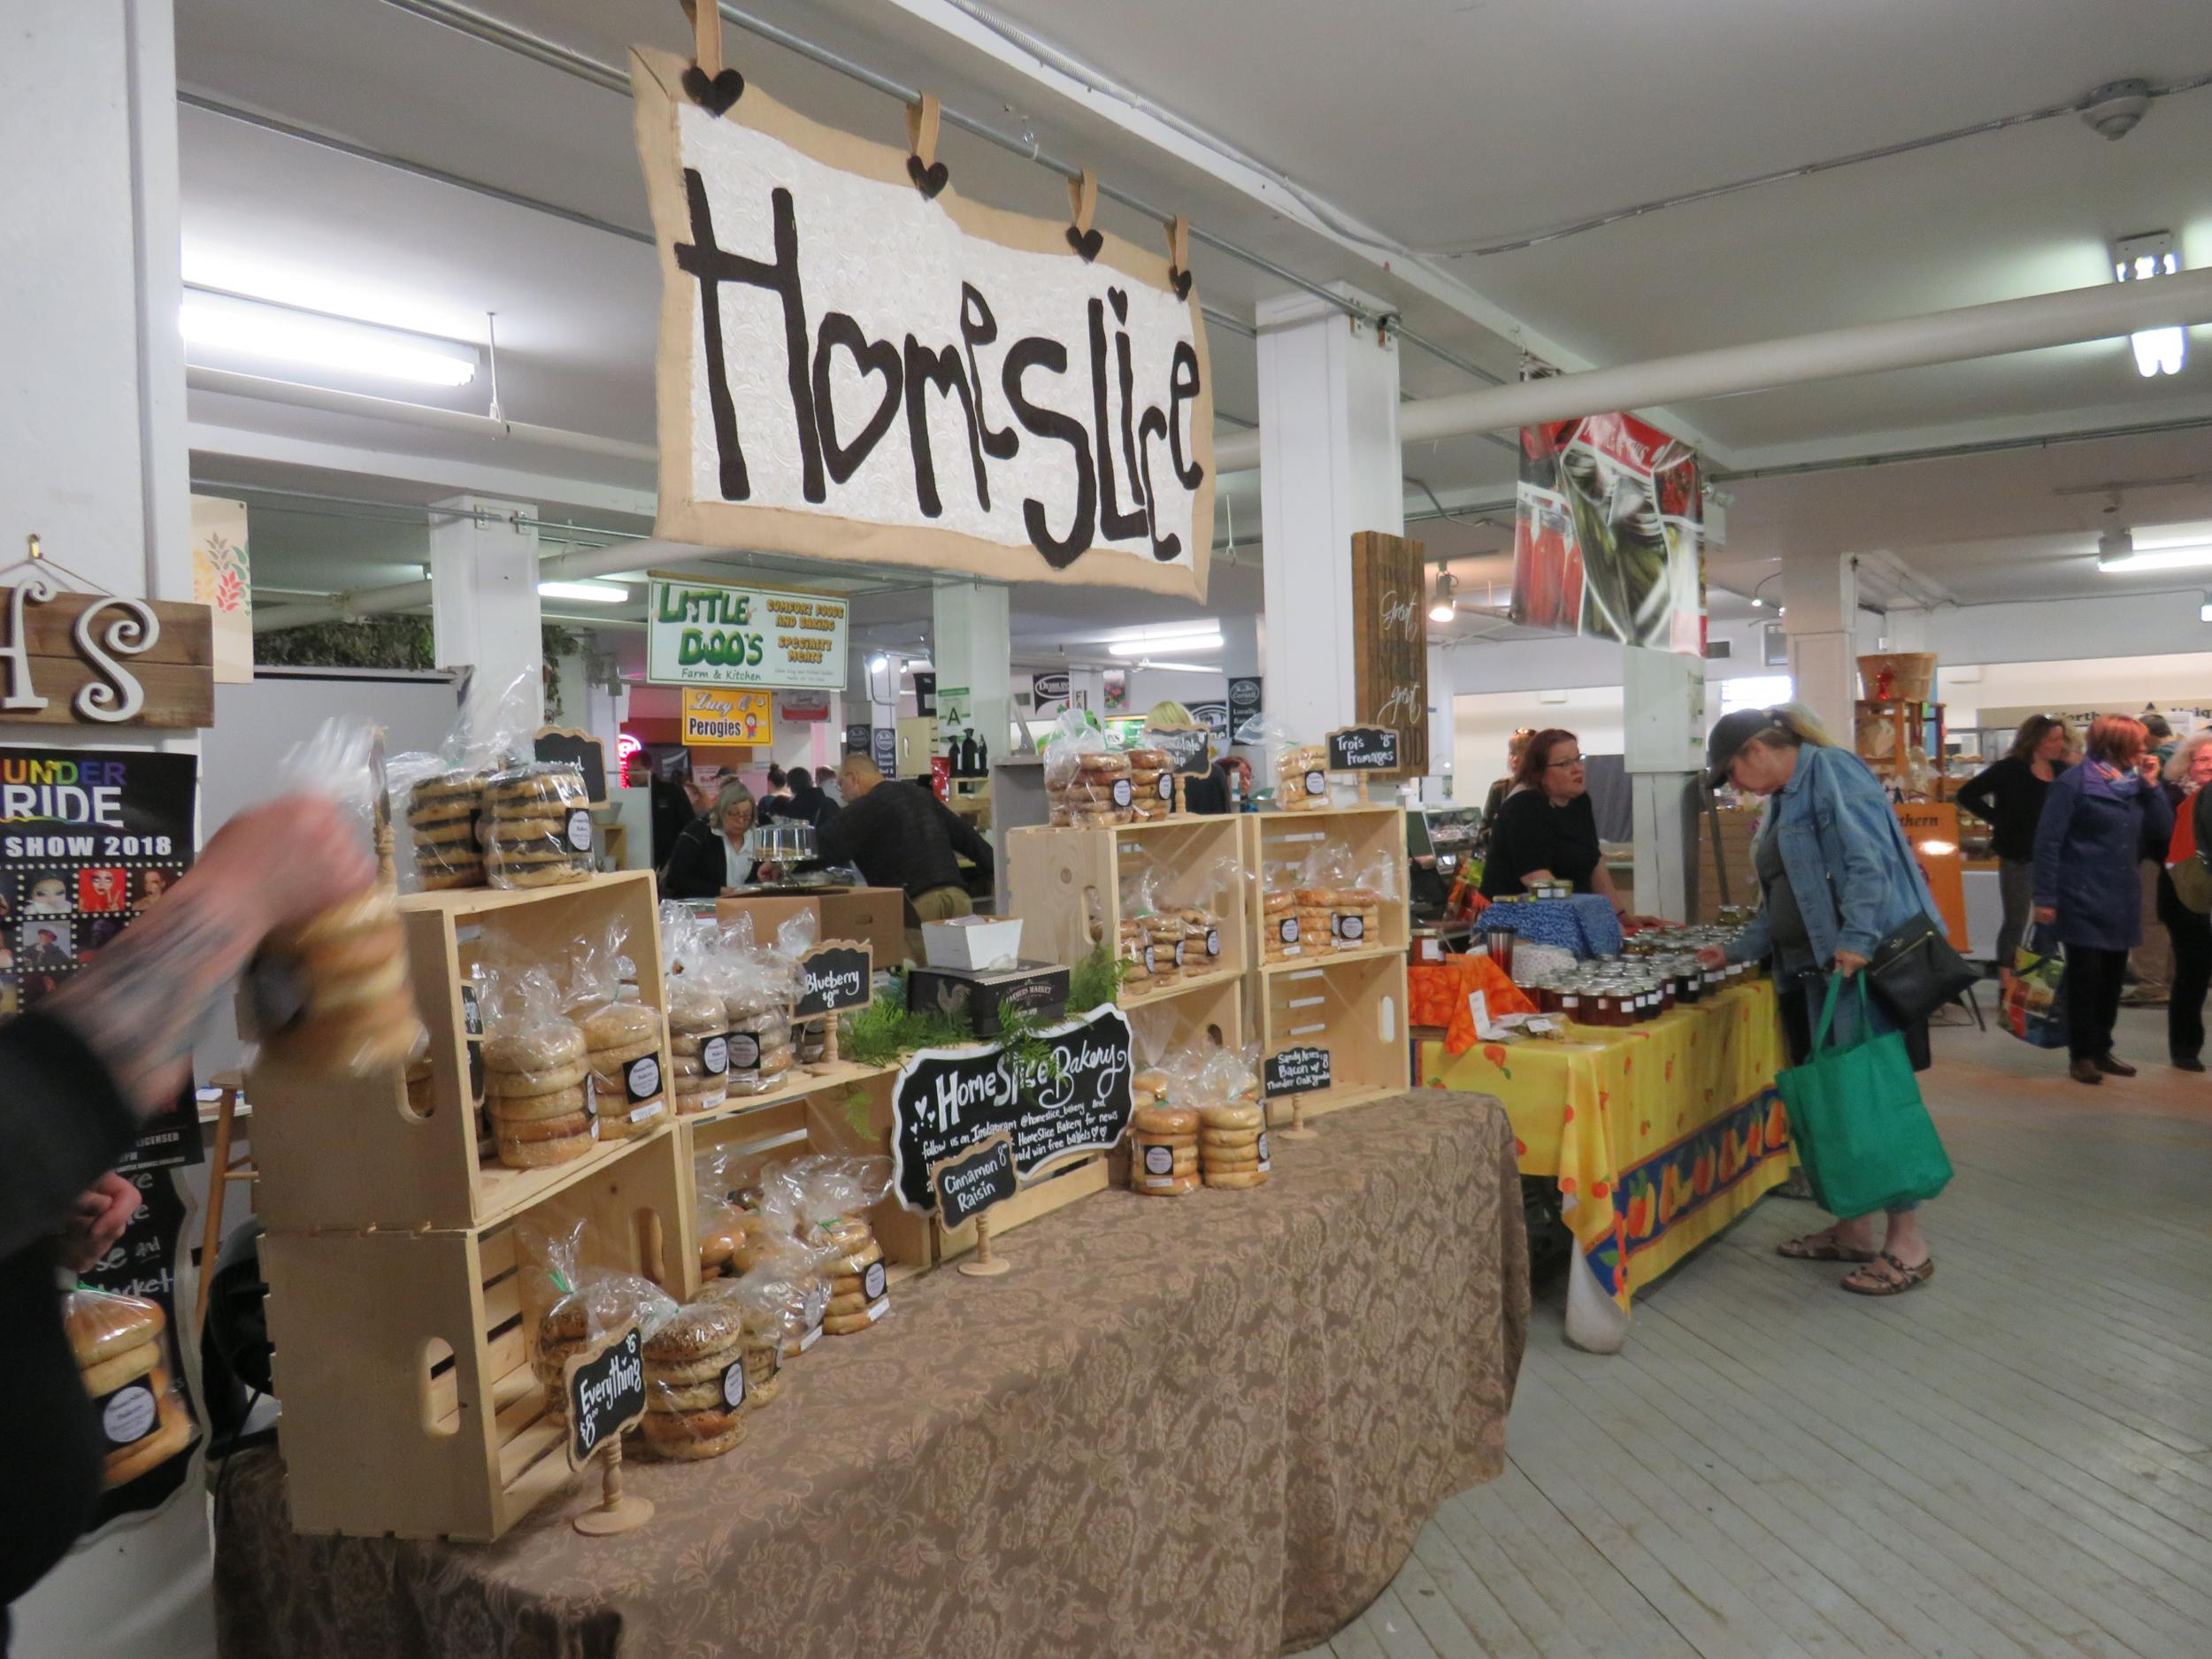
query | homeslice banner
(851,368)
(1609,534)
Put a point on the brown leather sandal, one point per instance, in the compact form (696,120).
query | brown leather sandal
(1819,1247)
(1889,1277)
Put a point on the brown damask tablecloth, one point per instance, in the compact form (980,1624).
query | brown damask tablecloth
(1208,1425)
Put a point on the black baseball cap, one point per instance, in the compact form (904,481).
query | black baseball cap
(1730,734)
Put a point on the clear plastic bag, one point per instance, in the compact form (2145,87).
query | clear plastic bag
(569,1301)
(783,1300)
(1302,770)
(1200,898)
(622,1037)
(1087,780)
(537,828)
(758,988)
(1223,1087)
(1282,932)
(340,977)
(1328,902)
(1160,925)
(538,1087)
(694,1384)
(438,803)
(1151,783)
(123,1357)
(831,1196)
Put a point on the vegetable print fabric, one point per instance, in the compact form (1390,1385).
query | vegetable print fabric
(1659,1135)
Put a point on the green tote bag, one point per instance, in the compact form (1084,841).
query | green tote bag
(1864,1138)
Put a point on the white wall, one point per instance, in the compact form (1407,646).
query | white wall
(2133,625)
(2182,680)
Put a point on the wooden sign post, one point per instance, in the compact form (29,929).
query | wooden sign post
(967,1185)
(605,1387)
(1370,751)
(836,975)
(1189,751)
(1296,1073)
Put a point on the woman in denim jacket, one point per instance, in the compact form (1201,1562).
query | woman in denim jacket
(1836,873)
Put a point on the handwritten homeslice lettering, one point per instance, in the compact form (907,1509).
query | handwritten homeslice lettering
(1117,461)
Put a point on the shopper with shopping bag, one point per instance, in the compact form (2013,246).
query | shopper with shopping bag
(2035,994)
(1836,877)
(2100,821)
(2184,899)
(1863,1136)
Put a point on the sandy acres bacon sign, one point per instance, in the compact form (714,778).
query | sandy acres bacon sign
(851,369)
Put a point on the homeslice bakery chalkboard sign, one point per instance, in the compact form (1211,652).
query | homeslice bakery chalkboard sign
(834,977)
(850,367)
(947,1100)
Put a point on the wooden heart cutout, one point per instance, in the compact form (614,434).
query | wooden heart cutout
(1181,281)
(713,94)
(928,179)
(1087,242)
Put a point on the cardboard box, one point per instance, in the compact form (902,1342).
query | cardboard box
(875,917)
(975,943)
(1039,986)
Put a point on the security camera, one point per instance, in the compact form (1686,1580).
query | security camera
(2116,108)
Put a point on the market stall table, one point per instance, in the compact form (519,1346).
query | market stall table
(1659,1135)
(1209,1426)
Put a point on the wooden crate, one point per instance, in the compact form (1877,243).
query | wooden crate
(1212,1013)
(402,1357)
(350,1153)
(845,1112)
(1352,1003)
(1066,885)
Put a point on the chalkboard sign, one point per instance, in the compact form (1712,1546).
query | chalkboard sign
(970,1183)
(1301,1070)
(605,1387)
(857,738)
(886,738)
(569,747)
(948,1100)
(1189,749)
(1214,718)
(1364,749)
(835,976)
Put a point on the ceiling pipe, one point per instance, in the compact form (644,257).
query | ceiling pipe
(231,383)
(2074,315)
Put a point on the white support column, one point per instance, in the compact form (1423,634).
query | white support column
(1820,596)
(1443,727)
(93,460)
(970,642)
(1329,467)
(484,592)
(1663,696)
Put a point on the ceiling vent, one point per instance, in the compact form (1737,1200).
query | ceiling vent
(1720,650)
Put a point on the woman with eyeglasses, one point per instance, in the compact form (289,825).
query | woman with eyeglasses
(1546,831)
(2009,797)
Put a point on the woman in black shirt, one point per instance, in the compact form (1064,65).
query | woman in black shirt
(1546,831)
(2008,796)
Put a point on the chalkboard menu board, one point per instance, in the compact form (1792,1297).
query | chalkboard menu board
(858,740)
(1189,749)
(567,746)
(1390,641)
(834,977)
(1364,749)
(1301,1071)
(970,1183)
(605,1387)
(947,1100)
(1245,710)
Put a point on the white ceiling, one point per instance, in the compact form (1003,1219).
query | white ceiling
(1445,127)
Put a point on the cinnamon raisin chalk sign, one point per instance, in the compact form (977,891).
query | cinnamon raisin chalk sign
(849,368)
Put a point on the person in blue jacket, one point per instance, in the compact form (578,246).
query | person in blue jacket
(2101,819)
(1835,874)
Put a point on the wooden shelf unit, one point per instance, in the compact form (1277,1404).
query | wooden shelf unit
(403,1356)
(1352,1003)
(351,1153)
(1067,887)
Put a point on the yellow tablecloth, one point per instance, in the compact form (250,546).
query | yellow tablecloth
(1659,1134)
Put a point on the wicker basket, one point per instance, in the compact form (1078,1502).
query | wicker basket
(1898,677)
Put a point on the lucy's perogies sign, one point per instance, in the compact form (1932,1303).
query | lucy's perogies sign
(851,369)
(703,632)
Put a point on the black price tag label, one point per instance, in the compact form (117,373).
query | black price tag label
(714,1056)
(1122,793)
(734,1385)
(744,1051)
(580,830)
(641,1078)
(1288,931)
(872,1281)
(1159,1160)
(129,1414)
(1317,783)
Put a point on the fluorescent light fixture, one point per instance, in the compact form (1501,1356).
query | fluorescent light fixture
(914,663)
(585,593)
(226,324)
(877,665)
(1447,602)
(2141,259)
(2173,547)
(2204,610)
(1205,636)
(1182,668)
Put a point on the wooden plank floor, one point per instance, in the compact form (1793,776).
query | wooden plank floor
(2013,1461)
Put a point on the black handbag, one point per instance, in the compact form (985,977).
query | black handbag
(1914,972)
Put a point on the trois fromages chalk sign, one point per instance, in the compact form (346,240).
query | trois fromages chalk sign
(851,366)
